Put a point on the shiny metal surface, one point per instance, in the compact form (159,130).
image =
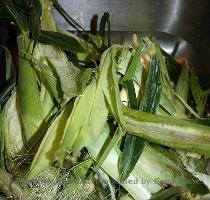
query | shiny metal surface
(163,19)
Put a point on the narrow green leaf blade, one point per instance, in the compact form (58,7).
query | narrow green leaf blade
(132,150)
(167,104)
(134,146)
(105,20)
(61,40)
(108,80)
(134,64)
(35,20)
(19,17)
(66,16)
(199,96)
(151,95)
(182,88)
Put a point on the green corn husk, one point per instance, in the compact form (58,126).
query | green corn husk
(48,108)
(85,122)
(156,166)
(67,74)
(182,88)
(90,52)
(11,129)
(50,144)
(48,68)
(176,133)
(47,19)
(29,97)
(199,96)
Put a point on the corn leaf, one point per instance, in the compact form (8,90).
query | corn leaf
(109,83)
(50,144)
(123,61)
(35,20)
(68,74)
(167,104)
(66,16)
(89,54)
(203,121)
(176,47)
(51,79)
(151,95)
(61,40)
(110,165)
(105,150)
(199,96)
(85,122)
(96,41)
(134,64)
(105,19)
(29,99)
(176,133)
(134,146)
(49,107)
(182,88)
(156,165)
(19,17)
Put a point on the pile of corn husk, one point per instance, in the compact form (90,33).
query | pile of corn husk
(65,133)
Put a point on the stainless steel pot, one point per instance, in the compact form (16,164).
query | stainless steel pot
(166,20)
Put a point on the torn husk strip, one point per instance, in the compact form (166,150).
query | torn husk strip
(176,133)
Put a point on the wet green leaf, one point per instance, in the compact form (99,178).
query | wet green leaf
(35,20)
(18,16)
(61,40)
